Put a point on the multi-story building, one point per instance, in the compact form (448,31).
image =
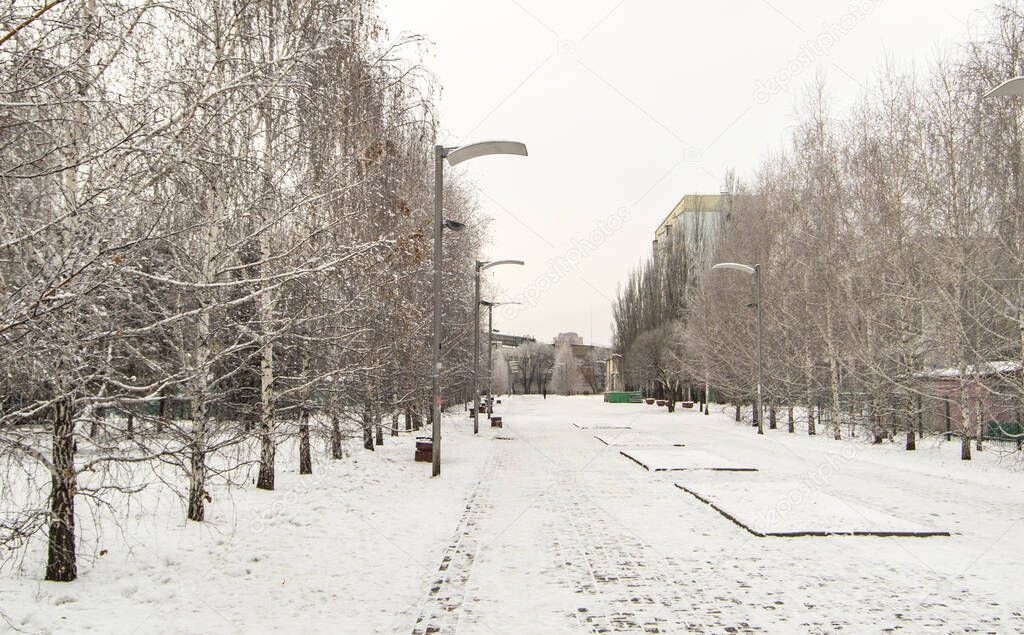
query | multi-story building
(613,377)
(582,365)
(571,339)
(696,219)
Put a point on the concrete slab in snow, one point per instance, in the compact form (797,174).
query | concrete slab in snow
(674,459)
(601,426)
(793,509)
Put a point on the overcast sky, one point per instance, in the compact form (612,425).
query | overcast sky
(628,105)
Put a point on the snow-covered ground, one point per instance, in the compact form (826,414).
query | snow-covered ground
(787,508)
(541,527)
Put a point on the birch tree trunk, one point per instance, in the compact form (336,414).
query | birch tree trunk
(837,432)
(265,301)
(305,455)
(979,430)
(61,564)
(367,428)
(908,417)
(876,422)
(267,424)
(809,379)
(337,451)
(202,370)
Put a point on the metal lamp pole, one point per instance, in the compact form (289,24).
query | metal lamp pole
(480,266)
(435,372)
(756,272)
(476,350)
(490,332)
(490,352)
(760,352)
(454,156)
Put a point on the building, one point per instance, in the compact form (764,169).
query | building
(613,378)
(985,394)
(511,341)
(572,339)
(569,365)
(579,368)
(696,218)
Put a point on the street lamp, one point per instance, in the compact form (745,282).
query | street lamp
(454,156)
(1010,88)
(481,266)
(756,272)
(1013,88)
(490,331)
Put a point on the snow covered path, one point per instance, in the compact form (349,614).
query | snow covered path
(549,552)
(540,527)
(567,535)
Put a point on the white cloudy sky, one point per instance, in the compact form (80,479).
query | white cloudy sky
(628,105)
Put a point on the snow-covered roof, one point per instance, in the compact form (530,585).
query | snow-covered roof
(985,369)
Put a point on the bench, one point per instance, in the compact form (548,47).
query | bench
(424,450)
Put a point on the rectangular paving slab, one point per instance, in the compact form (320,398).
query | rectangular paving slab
(677,459)
(601,426)
(636,439)
(788,508)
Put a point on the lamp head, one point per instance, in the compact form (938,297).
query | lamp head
(465,153)
(735,266)
(1010,88)
(481,265)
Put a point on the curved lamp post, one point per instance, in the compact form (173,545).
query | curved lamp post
(756,272)
(490,331)
(454,156)
(482,265)
(1014,88)
(1010,88)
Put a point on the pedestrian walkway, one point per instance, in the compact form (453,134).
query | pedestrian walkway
(562,533)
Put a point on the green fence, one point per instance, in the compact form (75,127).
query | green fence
(624,397)
(1005,431)
(172,408)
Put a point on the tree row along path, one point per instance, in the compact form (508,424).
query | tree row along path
(563,534)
